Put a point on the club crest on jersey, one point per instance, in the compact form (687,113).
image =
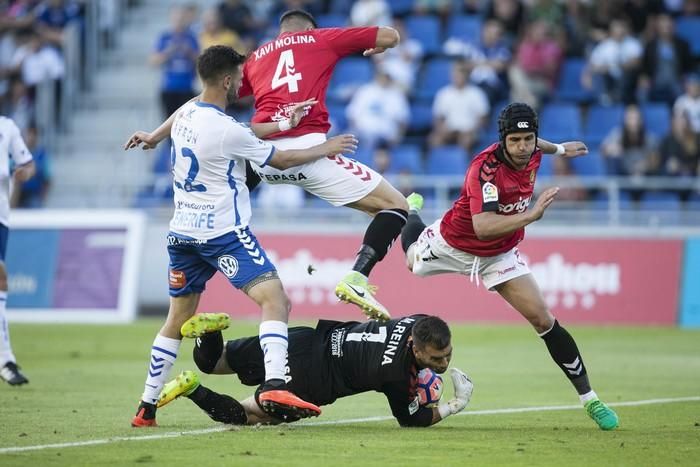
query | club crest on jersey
(532,177)
(228,265)
(489,192)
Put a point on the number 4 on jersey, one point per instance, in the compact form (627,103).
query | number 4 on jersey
(286,66)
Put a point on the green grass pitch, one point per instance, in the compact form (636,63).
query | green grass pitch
(86,381)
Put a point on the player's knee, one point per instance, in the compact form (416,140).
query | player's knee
(205,365)
(542,322)
(410,258)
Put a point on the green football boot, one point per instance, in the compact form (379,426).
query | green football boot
(604,416)
(415,202)
(203,323)
(184,385)
(353,288)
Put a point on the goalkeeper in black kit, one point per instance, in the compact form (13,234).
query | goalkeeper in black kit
(336,359)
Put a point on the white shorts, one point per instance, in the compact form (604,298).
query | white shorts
(433,255)
(337,179)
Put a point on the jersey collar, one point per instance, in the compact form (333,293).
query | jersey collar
(206,104)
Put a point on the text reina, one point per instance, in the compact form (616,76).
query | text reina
(282,42)
(393,344)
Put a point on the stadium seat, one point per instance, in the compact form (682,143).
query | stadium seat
(426,30)
(332,21)
(401,7)
(657,118)
(465,27)
(364,154)
(600,121)
(590,165)
(349,75)
(688,28)
(447,160)
(569,87)
(339,121)
(406,158)
(341,7)
(666,207)
(435,75)
(546,166)
(421,118)
(560,122)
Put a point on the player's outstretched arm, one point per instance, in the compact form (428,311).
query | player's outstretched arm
(387,38)
(567,149)
(151,140)
(490,225)
(262,130)
(341,144)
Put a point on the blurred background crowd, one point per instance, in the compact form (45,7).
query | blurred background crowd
(621,75)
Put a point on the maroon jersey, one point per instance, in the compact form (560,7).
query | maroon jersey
(298,66)
(490,185)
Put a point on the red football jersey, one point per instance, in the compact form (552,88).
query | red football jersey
(298,66)
(490,185)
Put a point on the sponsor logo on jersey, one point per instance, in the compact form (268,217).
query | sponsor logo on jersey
(520,206)
(228,265)
(177,279)
(489,192)
(414,406)
(532,176)
(337,339)
(282,178)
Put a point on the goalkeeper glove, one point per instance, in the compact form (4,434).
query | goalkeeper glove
(463,388)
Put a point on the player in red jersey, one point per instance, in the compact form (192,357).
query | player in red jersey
(478,237)
(295,68)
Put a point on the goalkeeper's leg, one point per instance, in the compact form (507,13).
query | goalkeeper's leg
(524,295)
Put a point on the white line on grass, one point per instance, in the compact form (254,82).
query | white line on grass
(177,434)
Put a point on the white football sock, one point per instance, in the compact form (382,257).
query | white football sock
(273,341)
(163,355)
(6,354)
(589,396)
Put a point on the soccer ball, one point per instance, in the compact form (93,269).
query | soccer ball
(429,387)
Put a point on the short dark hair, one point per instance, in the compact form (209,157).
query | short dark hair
(217,61)
(299,14)
(433,331)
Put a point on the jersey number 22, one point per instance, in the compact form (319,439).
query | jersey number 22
(285,72)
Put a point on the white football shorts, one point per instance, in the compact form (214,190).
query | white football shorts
(337,179)
(433,255)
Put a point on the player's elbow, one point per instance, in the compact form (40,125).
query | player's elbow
(480,230)
(388,37)
(413,422)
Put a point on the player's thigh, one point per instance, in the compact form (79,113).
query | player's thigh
(339,180)
(523,294)
(245,358)
(432,255)
(384,196)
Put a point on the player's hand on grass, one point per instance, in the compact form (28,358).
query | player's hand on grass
(543,201)
(141,138)
(299,110)
(341,144)
(574,149)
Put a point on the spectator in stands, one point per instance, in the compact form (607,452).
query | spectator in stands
(370,13)
(379,111)
(18,104)
(381,158)
(35,60)
(214,33)
(630,150)
(639,14)
(617,60)
(236,16)
(489,59)
(536,69)
(667,58)
(52,16)
(689,103)
(572,190)
(681,149)
(442,8)
(402,62)
(577,27)
(510,13)
(460,110)
(176,53)
(549,11)
(32,193)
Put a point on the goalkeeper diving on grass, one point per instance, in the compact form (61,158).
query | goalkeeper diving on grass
(333,360)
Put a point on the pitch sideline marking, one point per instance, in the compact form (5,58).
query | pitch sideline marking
(177,434)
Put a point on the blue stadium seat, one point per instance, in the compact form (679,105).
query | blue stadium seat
(401,7)
(660,200)
(406,158)
(600,121)
(590,165)
(436,74)
(350,74)
(447,160)
(465,27)
(546,166)
(339,121)
(426,30)
(688,28)
(560,122)
(364,154)
(332,21)
(569,87)
(657,119)
(421,117)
